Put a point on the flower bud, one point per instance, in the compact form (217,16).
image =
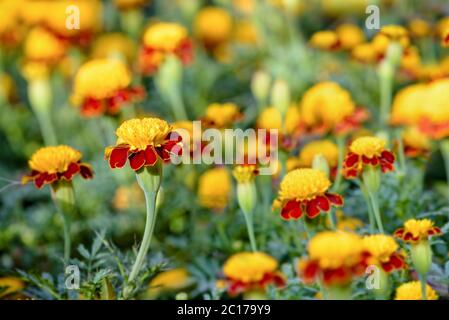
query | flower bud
(421,254)
(40,95)
(280,96)
(149,178)
(64,196)
(260,86)
(320,163)
(371,178)
(247,196)
(170,74)
(394,54)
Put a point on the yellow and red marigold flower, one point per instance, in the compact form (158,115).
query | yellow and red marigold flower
(305,191)
(102,86)
(383,251)
(415,143)
(51,164)
(143,142)
(248,271)
(161,39)
(412,291)
(214,188)
(213,26)
(367,151)
(221,115)
(414,230)
(445,38)
(328,107)
(335,257)
(327,148)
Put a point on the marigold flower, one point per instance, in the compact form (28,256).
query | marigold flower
(161,39)
(408,105)
(346,223)
(328,107)
(335,257)
(417,230)
(102,87)
(213,26)
(11,32)
(221,115)
(41,46)
(270,118)
(51,164)
(364,53)
(246,271)
(388,34)
(383,251)
(445,38)
(419,28)
(245,173)
(412,291)
(415,142)
(143,142)
(366,151)
(325,40)
(10,285)
(114,45)
(435,119)
(214,189)
(349,35)
(305,191)
(169,281)
(325,147)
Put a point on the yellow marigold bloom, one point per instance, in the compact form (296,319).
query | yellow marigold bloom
(305,190)
(213,26)
(442,26)
(408,105)
(130,4)
(214,188)
(50,164)
(325,40)
(325,147)
(349,35)
(415,142)
(100,79)
(11,31)
(245,173)
(395,33)
(417,230)
(246,271)
(165,36)
(368,146)
(383,251)
(114,45)
(435,122)
(347,7)
(170,280)
(43,47)
(140,133)
(364,53)
(221,115)
(270,118)
(326,105)
(10,285)
(348,223)
(412,291)
(419,28)
(245,32)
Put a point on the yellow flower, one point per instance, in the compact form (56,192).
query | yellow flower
(10,285)
(442,26)
(245,32)
(368,146)
(419,28)
(415,142)
(303,184)
(245,173)
(388,34)
(43,47)
(54,159)
(408,105)
(349,224)
(114,45)
(347,7)
(169,281)
(325,147)
(380,246)
(7,88)
(249,267)
(221,115)
(244,6)
(412,291)
(335,249)
(325,40)
(364,53)
(214,188)
(164,36)
(349,35)
(326,104)
(140,133)
(270,118)
(213,26)
(100,79)
(417,230)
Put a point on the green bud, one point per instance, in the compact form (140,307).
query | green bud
(247,196)
(385,70)
(371,178)
(255,295)
(40,95)
(394,54)
(64,196)
(320,163)
(260,86)
(149,178)
(280,96)
(383,292)
(170,74)
(421,254)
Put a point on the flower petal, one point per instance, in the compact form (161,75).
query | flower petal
(118,157)
(137,160)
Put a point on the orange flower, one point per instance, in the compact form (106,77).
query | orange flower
(305,190)
(417,230)
(102,86)
(161,39)
(51,164)
(367,151)
(383,251)
(143,141)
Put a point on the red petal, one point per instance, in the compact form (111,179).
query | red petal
(292,209)
(150,156)
(118,157)
(312,208)
(137,160)
(351,160)
(73,169)
(387,156)
(399,233)
(335,199)
(86,171)
(323,203)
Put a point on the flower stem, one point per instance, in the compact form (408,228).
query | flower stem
(423,281)
(401,155)
(341,141)
(67,243)
(250,228)
(375,206)
(386,89)
(370,208)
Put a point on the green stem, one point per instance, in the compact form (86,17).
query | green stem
(46,127)
(422,280)
(67,243)
(250,228)
(444,147)
(370,208)
(150,199)
(331,219)
(401,155)
(386,89)
(375,206)
(341,141)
